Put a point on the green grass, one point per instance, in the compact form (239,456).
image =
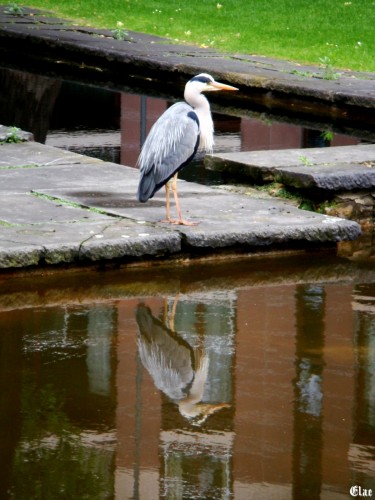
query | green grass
(340,31)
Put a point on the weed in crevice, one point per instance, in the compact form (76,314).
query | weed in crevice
(14,9)
(13,136)
(279,190)
(4,223)
(72,204)
(296,198)
(329,72)
(120,33)
(307,163)
(304,74)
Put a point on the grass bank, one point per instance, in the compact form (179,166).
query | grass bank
(340,33)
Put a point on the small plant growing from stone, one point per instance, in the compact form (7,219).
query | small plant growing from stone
(304,74)
(329,72)
(12,136)
(14,9)
(303,159)
(120,33)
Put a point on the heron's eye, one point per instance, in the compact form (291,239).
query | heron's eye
(202,79)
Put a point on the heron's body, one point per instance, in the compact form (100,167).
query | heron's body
(175,138)
(160,159)
(165,355)
(177,369)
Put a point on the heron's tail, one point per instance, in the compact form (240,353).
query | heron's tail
(146,187)
(143,193)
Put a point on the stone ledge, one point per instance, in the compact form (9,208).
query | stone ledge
(330,169)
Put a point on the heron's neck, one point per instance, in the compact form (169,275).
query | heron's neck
(206,127)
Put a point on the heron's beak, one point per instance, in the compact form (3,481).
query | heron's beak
(219,86)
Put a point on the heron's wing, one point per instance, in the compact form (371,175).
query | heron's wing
(166,356)
(171,143)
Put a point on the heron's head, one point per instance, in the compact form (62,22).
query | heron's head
(197,414)
(205,83)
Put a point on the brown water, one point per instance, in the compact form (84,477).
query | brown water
(248,380)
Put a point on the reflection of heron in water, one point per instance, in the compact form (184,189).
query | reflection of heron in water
(175,367)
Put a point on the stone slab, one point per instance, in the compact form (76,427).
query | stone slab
(84,173)
(24,209)
(34,154)
(223,219)
(332,169)
(338,177)
(67,243)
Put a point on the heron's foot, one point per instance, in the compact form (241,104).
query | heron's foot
(180,222)
(183,222)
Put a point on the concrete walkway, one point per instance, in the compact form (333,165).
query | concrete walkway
(58,207)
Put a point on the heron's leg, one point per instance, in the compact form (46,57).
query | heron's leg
(165,310)
(167,204)
(168,318)
(174,189)
(173,312)
(180,220)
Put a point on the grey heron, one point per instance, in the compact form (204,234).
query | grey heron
(174,139)
(176,368)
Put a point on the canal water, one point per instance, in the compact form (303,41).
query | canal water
(252,378)
(112,124)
